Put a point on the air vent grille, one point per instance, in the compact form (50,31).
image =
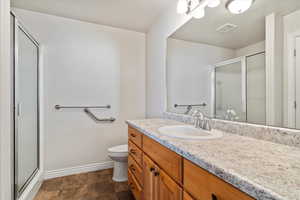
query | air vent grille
(226,28)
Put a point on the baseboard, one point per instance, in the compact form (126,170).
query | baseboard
(78,169)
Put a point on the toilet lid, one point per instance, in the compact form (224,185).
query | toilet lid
(120,148)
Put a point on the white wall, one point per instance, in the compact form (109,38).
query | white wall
(87,64)
(156,58)
(251,49)
(189,67)
(274,46)
(291,28)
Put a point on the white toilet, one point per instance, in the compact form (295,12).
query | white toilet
(119,155)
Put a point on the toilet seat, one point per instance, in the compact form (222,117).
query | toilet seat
(119,149)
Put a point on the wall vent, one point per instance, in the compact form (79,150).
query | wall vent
(226,28)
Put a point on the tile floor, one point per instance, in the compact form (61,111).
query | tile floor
(87,186)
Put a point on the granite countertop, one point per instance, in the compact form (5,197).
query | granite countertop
(262,169)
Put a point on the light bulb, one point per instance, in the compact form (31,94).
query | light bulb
(182,6)
(239,6)
(194,4)
(198,13)
(213,3)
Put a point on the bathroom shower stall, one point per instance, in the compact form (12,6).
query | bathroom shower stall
(245,77)
(25,56)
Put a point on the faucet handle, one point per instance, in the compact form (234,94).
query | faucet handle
(207,123)
(198,114)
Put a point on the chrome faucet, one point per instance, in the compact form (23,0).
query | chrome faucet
(200,121)
(198,118)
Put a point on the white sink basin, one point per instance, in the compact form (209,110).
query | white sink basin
(189,133)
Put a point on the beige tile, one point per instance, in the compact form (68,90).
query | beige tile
(52,184)
(47,195)
(121,187)
(87,186)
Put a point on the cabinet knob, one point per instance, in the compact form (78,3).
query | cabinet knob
(132,168)
(214,197)
(152,169)
(132,135)
(132,151)
(131,186)
(156,173)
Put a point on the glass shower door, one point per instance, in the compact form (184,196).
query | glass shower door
(230,90)
(26,108)
(256,88)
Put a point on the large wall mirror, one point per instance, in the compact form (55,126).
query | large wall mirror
(238,67)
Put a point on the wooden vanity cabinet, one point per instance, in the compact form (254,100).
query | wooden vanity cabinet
(196,181)
(203,185)
(168,189)
(135,152)
(135,136)
(135,169)
(134,186)
(150,179)
(186,196)
(157,184)
(157,173)
(135,158)
(167,160)
(153,168)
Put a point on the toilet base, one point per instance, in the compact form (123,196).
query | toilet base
(120,171)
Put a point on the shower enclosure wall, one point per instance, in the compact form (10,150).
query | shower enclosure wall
(26,107)
(246,78)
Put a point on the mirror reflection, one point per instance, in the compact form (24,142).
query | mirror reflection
(238,67)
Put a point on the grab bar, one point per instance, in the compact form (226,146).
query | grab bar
(60,107)
(191,105)
(95,118)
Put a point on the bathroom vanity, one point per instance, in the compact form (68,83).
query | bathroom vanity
(227,168)
(156,172)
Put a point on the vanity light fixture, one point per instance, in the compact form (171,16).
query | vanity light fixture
(182,6)
(195,8)
(214,3)
(198,13)
(238,6)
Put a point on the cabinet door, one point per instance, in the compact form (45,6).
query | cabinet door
(150,181)
(186,196)
(166,159)
(204,186)
(135,169)
(224,191)
(135,136)
(196,181)
(167,188)
(134,186)
(135,152)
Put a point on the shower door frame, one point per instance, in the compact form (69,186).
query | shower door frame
(18,26)
(241,59)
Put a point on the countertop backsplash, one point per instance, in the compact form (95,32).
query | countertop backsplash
(273,134)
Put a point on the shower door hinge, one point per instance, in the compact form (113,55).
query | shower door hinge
(18,109)
(295,52)
(295,104)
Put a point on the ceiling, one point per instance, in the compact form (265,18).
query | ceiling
(137,15)
(251,24)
